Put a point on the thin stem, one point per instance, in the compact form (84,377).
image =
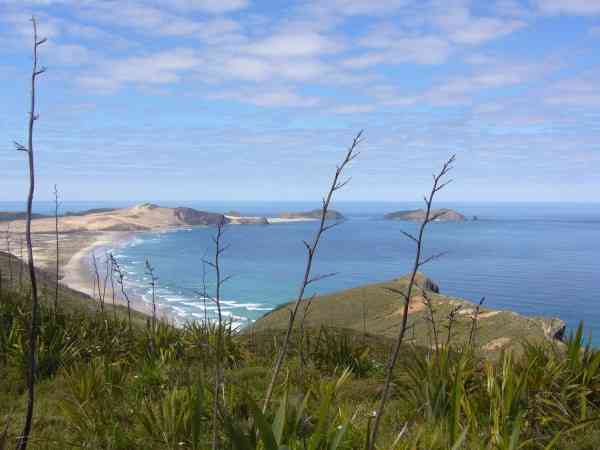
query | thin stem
(57,248)
(311,250)
(437,185)
(216,264)
(24,437)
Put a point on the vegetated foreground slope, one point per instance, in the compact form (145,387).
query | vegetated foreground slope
(101,385)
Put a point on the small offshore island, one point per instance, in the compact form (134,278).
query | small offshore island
(418,215)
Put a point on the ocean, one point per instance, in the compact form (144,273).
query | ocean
(532,258)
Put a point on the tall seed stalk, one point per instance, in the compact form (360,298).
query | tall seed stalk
(21,264)
(311,250)
(35,72)
(153,280)
(438,185)
(220,280)
(56,204)
(10,272)
(121,282)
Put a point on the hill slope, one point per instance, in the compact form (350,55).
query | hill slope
(377,309)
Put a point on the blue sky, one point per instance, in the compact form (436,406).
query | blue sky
(257,100)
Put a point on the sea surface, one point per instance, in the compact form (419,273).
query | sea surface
(533,258)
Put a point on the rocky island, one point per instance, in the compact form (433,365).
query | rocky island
(418,215)
(314,214)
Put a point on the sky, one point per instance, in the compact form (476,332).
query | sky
(258,99)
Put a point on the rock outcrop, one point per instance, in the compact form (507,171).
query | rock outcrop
(190,216)
(418,215)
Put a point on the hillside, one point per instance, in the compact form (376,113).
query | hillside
(104,384)
(143,217)
(377,310)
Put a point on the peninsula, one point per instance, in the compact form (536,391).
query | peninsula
(83,233)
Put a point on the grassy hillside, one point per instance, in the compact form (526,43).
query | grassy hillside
(102,386)
(377,309)
(14,276)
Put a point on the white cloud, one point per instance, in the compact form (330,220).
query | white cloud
(211,6)
(294,44)
(464,28)
(279,97)
(68,54)
(159,68)
(580,91)
(208,6)
(140,17)
(353,109)
(482,30)
(245,68)
(362,7)
(418,50)
(221,31)
(575,7)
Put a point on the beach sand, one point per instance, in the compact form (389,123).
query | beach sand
(75,261)
(82,236)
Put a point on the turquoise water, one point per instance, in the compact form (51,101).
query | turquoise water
(536,259)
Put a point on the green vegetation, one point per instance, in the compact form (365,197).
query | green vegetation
(377,309)
(101,387)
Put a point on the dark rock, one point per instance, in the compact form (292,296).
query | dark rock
(191,216)
(422,281)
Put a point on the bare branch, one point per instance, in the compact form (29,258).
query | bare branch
(321,277)
(311,249)
(393,358)
(332,225)
(226,279)
(431,258)
(410,236)
(341,184)
(20,147)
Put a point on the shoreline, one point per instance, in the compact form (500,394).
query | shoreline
(79,273)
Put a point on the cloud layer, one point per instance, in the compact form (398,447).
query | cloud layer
(498,82)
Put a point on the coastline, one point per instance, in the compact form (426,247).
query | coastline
(78,241)
(79,273)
